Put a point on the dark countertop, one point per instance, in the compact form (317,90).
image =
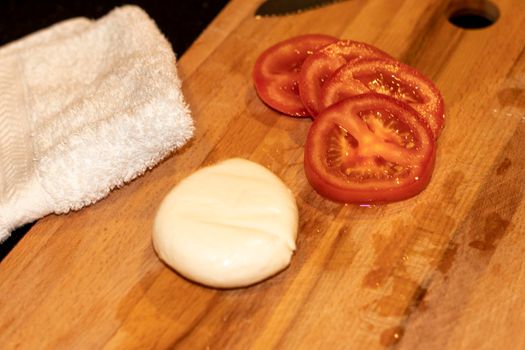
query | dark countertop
(181,21)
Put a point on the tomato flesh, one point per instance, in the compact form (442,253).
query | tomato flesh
(390,78)
(319,67)
(276,72)
(369,148)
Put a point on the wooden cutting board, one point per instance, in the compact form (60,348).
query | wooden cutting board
(444,270)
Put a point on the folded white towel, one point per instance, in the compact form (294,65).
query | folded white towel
(85,106)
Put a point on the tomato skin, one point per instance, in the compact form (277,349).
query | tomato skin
(320,66)
(333,185)
(369,196)
(390,78)
(276,72)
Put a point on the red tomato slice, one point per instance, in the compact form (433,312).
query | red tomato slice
(276,72)
(391,78)
(322,64)
(369,148)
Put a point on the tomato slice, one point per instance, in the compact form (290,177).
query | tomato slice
(276,72)
(391,78)
(369,148)
(322,64)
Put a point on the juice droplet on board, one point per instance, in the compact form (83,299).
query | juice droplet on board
(391,336)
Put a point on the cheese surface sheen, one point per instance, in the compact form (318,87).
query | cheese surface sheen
(228,225)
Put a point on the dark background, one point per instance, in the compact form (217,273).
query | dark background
(181,21)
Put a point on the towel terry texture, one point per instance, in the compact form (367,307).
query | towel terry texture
(85,106)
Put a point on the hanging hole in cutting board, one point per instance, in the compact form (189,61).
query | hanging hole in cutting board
(472,14)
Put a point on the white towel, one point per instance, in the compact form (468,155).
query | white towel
(85,106)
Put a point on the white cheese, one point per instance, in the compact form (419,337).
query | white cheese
(227,225)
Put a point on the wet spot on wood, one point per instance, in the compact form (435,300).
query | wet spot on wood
(389,252)
(422,306)
(391,336)
(494,229)
(419,296)
(375,278)
(420,242)
(434,223)
(343,231)
(280,153)
(447,260)
(342,251)
(514,97)
(398,253)
(451,185)
(400,298)
(504,166)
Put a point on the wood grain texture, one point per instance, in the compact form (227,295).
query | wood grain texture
(444,270)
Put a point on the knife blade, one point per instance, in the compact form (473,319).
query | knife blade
(287,7)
